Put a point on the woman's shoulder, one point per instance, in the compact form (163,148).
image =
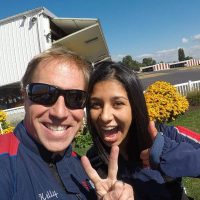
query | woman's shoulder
(92,152)
(94,157)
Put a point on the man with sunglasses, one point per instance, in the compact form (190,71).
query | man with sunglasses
(36,161)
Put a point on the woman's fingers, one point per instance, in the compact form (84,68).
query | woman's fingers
(112,167)
(113,163)
(144,156)
(125,191)
(152,129)
(120,191)
(91,172)
(109,188)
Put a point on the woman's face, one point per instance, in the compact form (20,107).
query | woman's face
(110,111)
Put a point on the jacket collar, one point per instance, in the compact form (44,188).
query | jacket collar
(22,134)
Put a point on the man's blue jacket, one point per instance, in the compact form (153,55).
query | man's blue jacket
(25,175)
(176,152)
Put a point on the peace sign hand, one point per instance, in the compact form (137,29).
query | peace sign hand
(109,188)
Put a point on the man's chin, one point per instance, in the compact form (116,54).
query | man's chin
(56,148)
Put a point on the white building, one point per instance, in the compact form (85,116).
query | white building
(166,66)
(185,63)
(156,67)
(26,34)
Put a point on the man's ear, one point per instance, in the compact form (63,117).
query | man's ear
(23,94)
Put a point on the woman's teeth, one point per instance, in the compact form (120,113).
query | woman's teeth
(110,129)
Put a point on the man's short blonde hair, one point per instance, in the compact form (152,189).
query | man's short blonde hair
(58,54)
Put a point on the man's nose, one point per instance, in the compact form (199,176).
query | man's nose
(59,109)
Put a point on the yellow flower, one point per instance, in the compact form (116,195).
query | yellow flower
(4,125)
(164,102)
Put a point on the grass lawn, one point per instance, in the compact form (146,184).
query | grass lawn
(191,120)
(192,187)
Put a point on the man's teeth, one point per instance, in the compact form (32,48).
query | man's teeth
(56,128)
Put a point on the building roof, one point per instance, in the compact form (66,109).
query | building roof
(83,35)
(36,11)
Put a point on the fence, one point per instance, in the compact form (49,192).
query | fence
(184,88)
(15,115)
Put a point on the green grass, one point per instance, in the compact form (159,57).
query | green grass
(191,120)
(192,187)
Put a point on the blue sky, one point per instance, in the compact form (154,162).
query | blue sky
(140,28)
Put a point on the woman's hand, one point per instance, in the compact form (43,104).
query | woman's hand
(152,130)
(145,154)
(109,188)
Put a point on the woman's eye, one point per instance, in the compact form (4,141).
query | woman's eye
(118,103)
(95,105)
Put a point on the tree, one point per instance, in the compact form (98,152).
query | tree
(133,64)
(127,60)
(181,54)
(188,57)
(148,61)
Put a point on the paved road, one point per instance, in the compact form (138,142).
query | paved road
(174,76)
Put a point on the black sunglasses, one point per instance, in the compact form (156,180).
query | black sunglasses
(47,95)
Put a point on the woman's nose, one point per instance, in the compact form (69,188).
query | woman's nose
(106,114)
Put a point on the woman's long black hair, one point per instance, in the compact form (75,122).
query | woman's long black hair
(138,136)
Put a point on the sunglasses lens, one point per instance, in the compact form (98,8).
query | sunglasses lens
(75,99)
(41,93)
(47,95)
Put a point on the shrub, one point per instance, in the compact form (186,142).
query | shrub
(194,98)
(83,139)
(164,102)
(5,126)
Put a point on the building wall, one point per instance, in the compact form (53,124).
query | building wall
(165,66)
(21,38)
(193,62)
(161,66)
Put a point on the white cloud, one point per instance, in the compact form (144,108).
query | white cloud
(193,51)
(146,55)
(166,51)
(119,57)
(184,40)
(196,37)
(166,55)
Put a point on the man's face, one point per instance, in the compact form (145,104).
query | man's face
(55,126)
